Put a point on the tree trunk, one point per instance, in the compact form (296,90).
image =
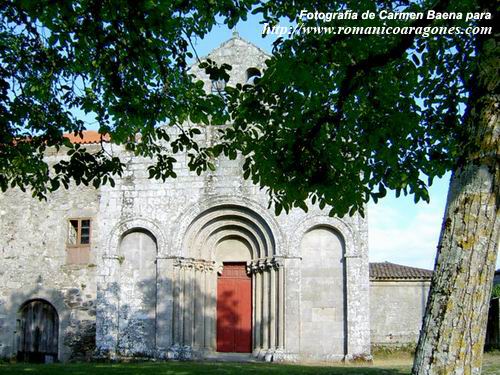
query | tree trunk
(454,328)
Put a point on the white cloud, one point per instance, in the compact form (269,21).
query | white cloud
(404,234)
(401,232)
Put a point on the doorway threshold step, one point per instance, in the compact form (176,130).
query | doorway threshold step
(230,357)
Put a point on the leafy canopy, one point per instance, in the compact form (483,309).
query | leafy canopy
(341,119)
(337,119)
(120,63)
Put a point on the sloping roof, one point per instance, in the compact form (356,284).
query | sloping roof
(231,42)
(391,271)
(89,137)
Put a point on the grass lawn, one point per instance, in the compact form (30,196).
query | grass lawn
(390,365)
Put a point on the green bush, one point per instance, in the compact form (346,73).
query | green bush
(495,292)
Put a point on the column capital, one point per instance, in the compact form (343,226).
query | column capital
(264,264)
(200,265)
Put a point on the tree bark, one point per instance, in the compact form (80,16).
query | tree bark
(454,328)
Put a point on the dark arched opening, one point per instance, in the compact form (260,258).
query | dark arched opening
(37,332)
(252,75)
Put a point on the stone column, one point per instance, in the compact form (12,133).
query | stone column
(199,305)
(258,309)
(206,307)
(292,306)
(272,305)
(251,271)
(193,307)
(280,334)
(211,311)
(281,303)
(177,310)
(182,300)
(202,308)
(189,305)
(265,305)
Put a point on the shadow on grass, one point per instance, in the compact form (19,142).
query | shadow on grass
(491,366)
(192,368)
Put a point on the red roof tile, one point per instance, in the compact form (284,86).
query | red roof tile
(89,137)
(390,271)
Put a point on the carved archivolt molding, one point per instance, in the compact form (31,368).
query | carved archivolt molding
(201,221)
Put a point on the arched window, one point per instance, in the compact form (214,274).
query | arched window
(252,75)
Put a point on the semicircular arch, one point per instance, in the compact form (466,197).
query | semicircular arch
(132,224)
(203,220)
(337,225)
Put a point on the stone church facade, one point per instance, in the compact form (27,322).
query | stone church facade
(181,269)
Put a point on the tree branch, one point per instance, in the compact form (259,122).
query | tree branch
(355,71)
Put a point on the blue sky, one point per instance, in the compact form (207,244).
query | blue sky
(400,231)
(403,232)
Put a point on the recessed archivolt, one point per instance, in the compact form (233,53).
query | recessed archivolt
(242,216)
(261,240)
(132,225)
(228,235)
(331,229)
(233,233)
(342,229)
(187,222)
(215,223)
(137,230)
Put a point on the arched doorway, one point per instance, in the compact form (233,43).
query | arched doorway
(37,332)
(236,239)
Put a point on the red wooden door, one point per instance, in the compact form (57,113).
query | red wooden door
(234,309)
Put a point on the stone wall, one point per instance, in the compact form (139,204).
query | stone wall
(396,312)
(146,234)
(33,258)
(171,212)
(34,234)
